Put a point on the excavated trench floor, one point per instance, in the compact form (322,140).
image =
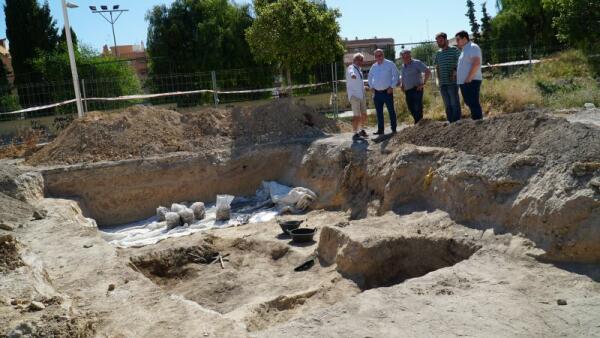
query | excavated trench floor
(257,284)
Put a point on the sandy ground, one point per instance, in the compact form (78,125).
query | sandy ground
(501,290)
(386,274)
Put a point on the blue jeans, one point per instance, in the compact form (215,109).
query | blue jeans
(380,98)
(414,102)
(451,102)
(470,93)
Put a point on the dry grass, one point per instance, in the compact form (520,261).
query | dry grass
(509,95)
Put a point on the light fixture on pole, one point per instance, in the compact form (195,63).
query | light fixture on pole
(66,5)
(111,20)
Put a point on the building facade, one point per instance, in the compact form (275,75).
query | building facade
(6,60)
(367,47)
(134,54)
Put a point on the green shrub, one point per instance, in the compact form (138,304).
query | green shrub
(9,103)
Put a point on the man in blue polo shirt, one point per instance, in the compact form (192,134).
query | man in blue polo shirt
(383,77)
(468,73)
(413,83)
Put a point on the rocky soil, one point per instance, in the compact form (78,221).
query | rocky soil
(555,140)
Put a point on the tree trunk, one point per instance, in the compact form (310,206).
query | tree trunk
(289,81)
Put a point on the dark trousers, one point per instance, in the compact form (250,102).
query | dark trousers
(414,102)
(451,101)
(380,98)
(470,93)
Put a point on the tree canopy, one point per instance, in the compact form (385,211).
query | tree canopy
(473,20)
(55,67)
(4,84)
(576,21)
(62,39)
(425,52)
(30,30)
(198,35)
(545,24)
(295,34)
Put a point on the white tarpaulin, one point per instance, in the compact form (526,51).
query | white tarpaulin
(269,201)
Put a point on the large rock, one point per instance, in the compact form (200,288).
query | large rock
(26,186)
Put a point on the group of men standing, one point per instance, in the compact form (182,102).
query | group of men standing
(456,68)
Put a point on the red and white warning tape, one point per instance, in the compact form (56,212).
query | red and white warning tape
(152,96)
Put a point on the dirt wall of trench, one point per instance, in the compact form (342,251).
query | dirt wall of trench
(125,191)
(547,189)
(545,184)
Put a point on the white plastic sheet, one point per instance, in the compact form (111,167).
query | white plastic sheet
(268,202)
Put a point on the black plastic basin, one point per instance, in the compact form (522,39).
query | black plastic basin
(303,235)
(287,226)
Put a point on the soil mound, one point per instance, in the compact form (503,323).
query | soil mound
(554,138)
(141,131)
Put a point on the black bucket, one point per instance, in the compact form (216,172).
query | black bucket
(303,235)
(287,226)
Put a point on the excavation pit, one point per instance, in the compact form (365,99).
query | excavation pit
(256,281)
(535,187)
(257,284)
(390,257)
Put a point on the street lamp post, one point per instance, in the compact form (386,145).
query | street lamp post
(66,5)
(112,20)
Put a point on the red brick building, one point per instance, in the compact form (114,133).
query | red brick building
(366,47)
(6,59)
(135,54)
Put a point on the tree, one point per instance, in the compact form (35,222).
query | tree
(8,101)
(198,35)
(30,30)
(4,84)
(519,25)
(389,52)
(425,52)
(486,31)
(472,20)
(294,34)
(486,20)
(62,44)
(576,21)
(536,17)
(55,67)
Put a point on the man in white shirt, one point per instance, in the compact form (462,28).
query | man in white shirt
(356,95)
(383,77)
(468,73)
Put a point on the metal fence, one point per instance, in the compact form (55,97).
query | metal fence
(49,106)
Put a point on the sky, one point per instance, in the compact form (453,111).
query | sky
(405,21)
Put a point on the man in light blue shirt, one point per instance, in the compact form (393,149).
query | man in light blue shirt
(383,77)
(468,73)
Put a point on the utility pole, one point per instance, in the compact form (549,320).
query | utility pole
(66,5)
(111,20)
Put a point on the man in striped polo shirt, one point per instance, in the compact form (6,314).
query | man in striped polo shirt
(446,60)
